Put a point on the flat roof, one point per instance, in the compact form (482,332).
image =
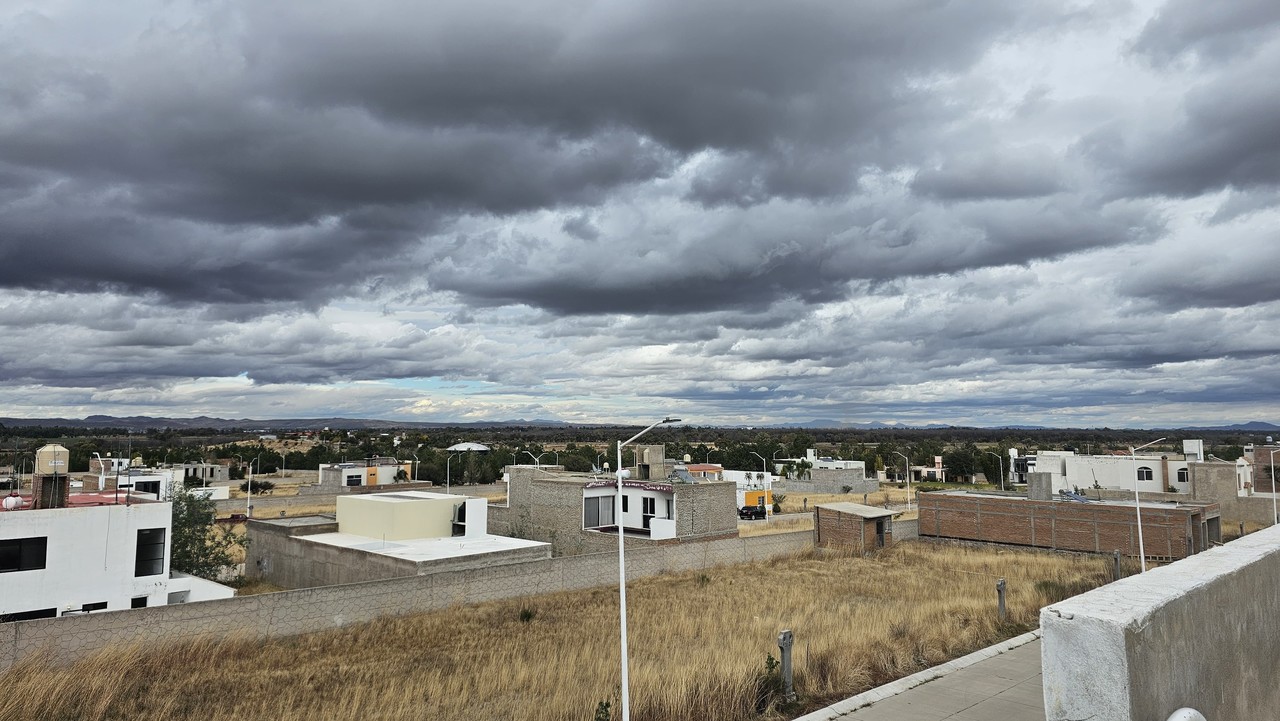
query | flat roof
(856,509)
(1126,503)
(406,496)
(425,549)
(297,521)
(87,500)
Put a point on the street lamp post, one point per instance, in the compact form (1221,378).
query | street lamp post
(248,497)
(447,461)
(282,465)
(709,452)
(1137,504)
(764,468)
(906,468)
(1001,459)
(1274,516)
(416,464)
(622,571)
(102,473)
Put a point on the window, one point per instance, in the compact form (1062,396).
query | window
(1183,475)
(648,506)
(139,602)
(23,554)
(597,512)
(670,509)
(149,560)
(99,606)
(624,503)
(29,615)
(1144,474)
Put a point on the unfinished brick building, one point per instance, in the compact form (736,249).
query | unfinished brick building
(1170,530)
(852,526)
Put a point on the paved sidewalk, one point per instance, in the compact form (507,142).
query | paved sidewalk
(1001,683)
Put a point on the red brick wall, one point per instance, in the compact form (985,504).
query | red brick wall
(1167,532)
(833,529)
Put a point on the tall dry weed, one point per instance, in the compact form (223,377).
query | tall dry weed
(698,645)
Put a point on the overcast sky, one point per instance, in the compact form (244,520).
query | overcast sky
(986,213)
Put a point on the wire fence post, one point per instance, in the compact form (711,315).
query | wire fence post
(1000,597)
(785,641)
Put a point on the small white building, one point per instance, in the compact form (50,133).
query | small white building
(376,471)
(99,552)
(1153,472)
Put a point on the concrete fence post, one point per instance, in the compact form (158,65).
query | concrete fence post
(1115,575)
(1000,597)
(785,641)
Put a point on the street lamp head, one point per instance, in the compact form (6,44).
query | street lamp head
(670,420)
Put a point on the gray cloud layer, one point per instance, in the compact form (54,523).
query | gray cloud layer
(771,210)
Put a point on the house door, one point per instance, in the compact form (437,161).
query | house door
(880,533)
(648,509)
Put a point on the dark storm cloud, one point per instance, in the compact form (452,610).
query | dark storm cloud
(252,154)
(1222,133)
(1225,136)
(1213,30)
(748,266)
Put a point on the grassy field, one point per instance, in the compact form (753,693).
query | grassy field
(699,644)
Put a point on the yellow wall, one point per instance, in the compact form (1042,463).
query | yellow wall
(753,497)
(396,519)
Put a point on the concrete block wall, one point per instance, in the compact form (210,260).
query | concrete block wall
(906,530)
(1167,532)
(830,480)
(702,510)
(706,509)
(315,609)
(1200,633)
(275,554)
(1216,482)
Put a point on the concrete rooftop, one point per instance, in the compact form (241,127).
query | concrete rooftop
(425,549)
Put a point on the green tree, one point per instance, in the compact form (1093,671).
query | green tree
(260,485)
(199,547)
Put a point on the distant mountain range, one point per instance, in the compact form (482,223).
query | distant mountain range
(143,423)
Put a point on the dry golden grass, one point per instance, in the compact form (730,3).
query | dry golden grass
(777,524)
(698,646)
(795,502)
(253,588)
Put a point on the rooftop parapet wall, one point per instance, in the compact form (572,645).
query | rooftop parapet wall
(1200,633)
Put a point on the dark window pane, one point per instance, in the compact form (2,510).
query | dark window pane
(149,560)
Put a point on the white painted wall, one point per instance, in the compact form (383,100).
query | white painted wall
(1068,470)
(217,493)
(90,557)
(633,517)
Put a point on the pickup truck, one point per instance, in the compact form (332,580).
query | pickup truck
(751,513)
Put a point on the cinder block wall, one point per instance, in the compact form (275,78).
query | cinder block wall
(1199,633)
(831,480)
(315,609)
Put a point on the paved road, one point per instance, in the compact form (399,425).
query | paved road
(997,684)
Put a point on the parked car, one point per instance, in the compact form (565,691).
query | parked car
(751,513)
